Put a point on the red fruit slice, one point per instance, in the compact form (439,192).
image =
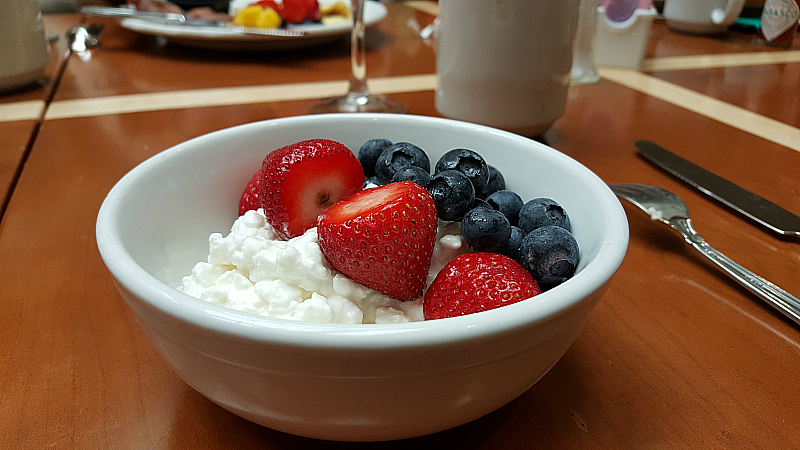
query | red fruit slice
(294,11)
(300,181)
(475,282)
(313,13)
(250,198)
(382,238)
(264,4)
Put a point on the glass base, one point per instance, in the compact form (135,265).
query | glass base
(583,75)
(351,104)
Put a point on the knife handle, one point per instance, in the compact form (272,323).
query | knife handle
(781,300)
(106,11)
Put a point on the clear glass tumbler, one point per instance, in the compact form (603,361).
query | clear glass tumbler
(584,70)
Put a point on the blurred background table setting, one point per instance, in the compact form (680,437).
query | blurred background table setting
(674,355)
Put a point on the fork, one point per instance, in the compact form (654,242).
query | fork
(664,206)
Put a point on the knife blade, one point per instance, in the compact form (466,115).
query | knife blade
(753,206)
(182,20)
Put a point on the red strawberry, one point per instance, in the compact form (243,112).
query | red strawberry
(313,13)
(264,4)
(250,198)
(475,282)
(294,11)
(301,180)
(382,238)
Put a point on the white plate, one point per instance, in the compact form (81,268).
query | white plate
(222,38)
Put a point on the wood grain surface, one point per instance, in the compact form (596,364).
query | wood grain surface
(675,355)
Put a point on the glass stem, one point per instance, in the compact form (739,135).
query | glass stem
(358,65)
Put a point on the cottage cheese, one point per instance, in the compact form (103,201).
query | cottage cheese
(253,270)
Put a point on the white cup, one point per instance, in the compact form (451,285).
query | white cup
(702,16)
(23,46)
(505,63)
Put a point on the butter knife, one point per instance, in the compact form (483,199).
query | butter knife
(182,20)
(753,206)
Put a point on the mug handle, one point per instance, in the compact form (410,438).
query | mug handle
(732,10)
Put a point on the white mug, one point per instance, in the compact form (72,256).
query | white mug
(23,46)
(505,63)
(702,16)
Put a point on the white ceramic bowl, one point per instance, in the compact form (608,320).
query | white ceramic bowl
(333,381)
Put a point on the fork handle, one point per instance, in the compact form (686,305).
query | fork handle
(781,300)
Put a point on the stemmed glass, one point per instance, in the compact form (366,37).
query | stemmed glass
(358,97)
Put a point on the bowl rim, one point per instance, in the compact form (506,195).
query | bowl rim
(250,327)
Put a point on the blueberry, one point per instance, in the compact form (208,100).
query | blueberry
(547,286)
(550,254)
(467,162)
(496,182)
(479,202)
(371,180)
(512,250)
(397,156)
(369,152)
(507,202)
(485,230)
(540,212)
(412,173)
(452,193)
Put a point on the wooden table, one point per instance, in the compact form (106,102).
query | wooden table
(21,110)
(675,355)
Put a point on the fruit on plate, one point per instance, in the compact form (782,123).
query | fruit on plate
(339,8)
(475,282)
(264,14)
(273,14)
(382,238)
(300,181)
(250,198)
(298,11)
